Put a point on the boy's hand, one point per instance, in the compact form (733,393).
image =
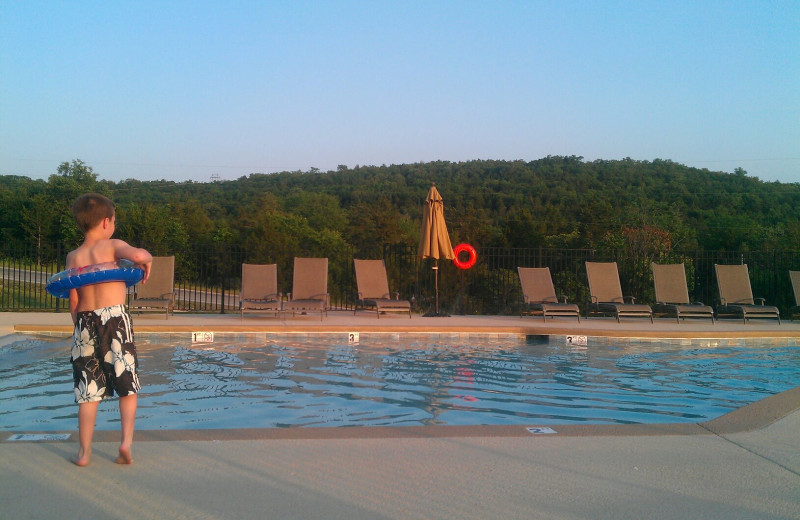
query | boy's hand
(146,268)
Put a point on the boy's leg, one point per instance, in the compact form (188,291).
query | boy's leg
(127,415)
(121,363)
(89,382)
(87,415)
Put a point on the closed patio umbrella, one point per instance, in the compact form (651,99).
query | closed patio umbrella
(434,240)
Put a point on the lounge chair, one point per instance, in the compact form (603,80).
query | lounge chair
(539,295)
(260,289)
(309,287)
(736,295)
(373,289)
(606,293)
(159,291)
(672,294)
(795,276)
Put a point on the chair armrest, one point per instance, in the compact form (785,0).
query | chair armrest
(324,297)
(267,297)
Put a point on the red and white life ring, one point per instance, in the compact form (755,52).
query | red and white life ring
(471,254)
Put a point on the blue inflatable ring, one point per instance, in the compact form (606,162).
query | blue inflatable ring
(60,284)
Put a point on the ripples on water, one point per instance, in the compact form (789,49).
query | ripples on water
(384,383)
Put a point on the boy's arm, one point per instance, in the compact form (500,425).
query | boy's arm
(137,255)
(73,294)
(73,305)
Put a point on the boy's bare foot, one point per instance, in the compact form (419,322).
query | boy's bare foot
(81,459)
(125,456)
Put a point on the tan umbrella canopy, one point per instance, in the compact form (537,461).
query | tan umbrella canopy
(434,241)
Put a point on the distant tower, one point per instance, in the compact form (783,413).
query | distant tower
(214,177)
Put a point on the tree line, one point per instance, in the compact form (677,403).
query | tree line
(553,202)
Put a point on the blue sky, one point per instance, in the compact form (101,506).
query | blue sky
(187,90)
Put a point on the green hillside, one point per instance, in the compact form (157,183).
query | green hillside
(563,202)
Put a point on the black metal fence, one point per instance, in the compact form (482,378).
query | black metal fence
(209,280)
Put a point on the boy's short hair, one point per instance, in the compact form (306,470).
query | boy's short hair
(90,209)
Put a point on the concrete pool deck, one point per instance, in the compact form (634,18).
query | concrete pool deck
(745,464)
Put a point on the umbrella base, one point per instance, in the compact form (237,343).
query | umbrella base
(434,314)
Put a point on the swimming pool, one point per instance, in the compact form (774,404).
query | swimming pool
(400,380)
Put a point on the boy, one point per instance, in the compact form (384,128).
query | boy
(103,353)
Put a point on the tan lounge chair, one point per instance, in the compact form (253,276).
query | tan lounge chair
(736,295)
(159,291)
(539,295)
(795,276)
(606,293)
(373,289)
(672,294)
(260,289)
(309,287)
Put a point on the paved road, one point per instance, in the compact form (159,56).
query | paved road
(24,275)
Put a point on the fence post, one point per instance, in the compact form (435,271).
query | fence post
(774,289)
(226,256)
(696,290)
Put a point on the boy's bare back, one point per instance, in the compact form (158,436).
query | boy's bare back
(101,295)
(98,247)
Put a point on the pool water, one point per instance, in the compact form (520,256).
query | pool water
(394,382)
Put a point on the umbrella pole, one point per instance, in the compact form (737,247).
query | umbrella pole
(435,313)
(436,284)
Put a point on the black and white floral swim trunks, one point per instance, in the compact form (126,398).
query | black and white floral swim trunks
(104,355)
